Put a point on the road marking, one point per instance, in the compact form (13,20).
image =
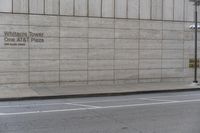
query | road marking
(106,107)
(159,100)
(114,100)
(50,104)
(175,96)
(83,105)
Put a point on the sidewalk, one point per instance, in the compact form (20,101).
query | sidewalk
(27,93)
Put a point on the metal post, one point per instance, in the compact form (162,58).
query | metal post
(195,69)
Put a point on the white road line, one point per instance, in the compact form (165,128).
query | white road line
(50,104)
(90,106)
(114,100)
(106,107)
(175,96)
(159,100)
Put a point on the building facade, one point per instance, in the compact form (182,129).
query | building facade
(64,42)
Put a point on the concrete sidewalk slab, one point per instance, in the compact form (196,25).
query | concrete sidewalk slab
(22,92)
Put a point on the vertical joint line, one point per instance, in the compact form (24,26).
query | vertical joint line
(127,8)
(12,7)
(151,8)
(59,18)
(44,6)
(114,9)
(101,8)
(88,6)
(173,10)
(73,8)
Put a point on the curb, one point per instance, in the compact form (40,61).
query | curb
(96,95)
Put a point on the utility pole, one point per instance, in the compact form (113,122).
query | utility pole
(196,4)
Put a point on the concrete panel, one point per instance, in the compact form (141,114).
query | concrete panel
(108,8)
(20,6)
(169,64)
(48,43)
(44,54)
(189,11)
(126,54)
(150,54)
(13,66)
(150,64)
(73,54)
(151,34)
(101,33)
(145,9)
(173,26)
(5,5)
(126,74)
(13,77)
(101,43)
(14,19)
(100,64)
(150,44)
(43,77)
(179,10)
(168,9)
(81,8)
(13,54)
(172,54)
(126,44)
(73,42)
(74,32)
(73,76)
(126,34)
(173,35)
(121,8)
(48,31)
(101,23)
(126,24)
(101,75)
(43,20)
(150,74)
(126,64)
(173,44)
(44,65)
(73,21)
(151,25)
(36,6)
(73,65)
(156,9)
(66,7)
(189,36)
(95,8)
(172,73)
(103,54)
(51,6)
(133,8)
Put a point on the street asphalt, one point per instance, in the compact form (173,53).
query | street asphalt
(177,112)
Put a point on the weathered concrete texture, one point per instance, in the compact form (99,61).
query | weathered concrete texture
(5,5)
(177,10)
(145,9)
(52,7)
(81,50)
(156,9)
(20,6)
(66,7)
(36,6)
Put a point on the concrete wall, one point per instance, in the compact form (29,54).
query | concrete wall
(93,42)
(176,10)
(95,50)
